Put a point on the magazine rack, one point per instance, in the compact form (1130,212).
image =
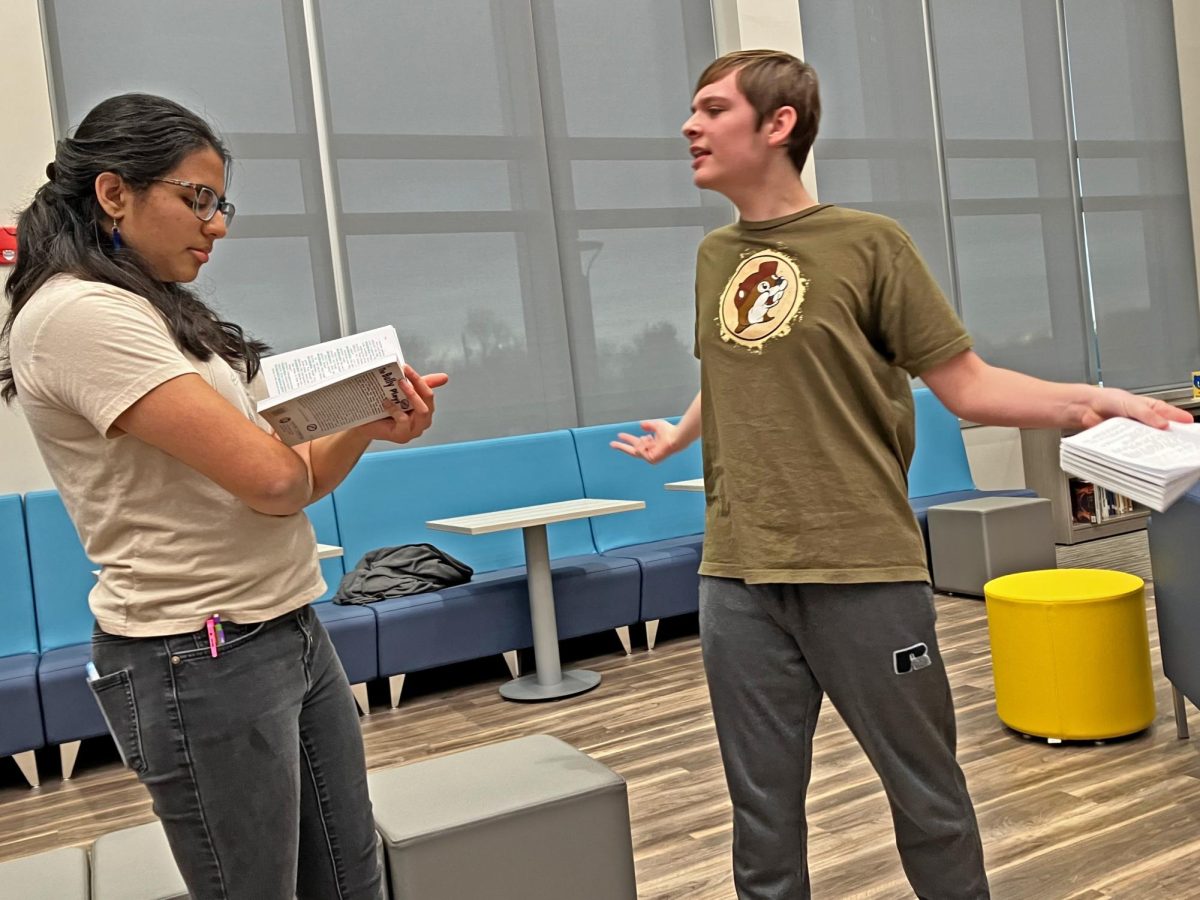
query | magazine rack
(1076,516)
(1081,511)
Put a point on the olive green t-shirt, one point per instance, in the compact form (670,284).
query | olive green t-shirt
(807,329)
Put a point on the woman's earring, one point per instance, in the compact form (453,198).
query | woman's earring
(116,236)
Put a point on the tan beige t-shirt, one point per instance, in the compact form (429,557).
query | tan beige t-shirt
(807,329)
(174,546)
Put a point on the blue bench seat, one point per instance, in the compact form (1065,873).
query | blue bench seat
(351,628)
(21,730)
(666,538)
(71,712)
(62,579)
(389,496)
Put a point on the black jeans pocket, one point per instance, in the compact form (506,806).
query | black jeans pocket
(114,694)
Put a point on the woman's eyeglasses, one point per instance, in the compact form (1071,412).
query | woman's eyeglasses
(206,203)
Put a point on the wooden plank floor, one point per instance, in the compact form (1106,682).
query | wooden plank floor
(1119,820)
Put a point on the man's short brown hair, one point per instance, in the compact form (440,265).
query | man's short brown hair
(770,79)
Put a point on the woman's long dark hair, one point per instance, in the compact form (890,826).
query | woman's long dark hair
(139,137)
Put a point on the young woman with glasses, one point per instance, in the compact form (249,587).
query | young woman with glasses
(217,680)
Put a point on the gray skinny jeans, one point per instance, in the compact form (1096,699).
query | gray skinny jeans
(254,759)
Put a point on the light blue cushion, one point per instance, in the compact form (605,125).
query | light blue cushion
(353,632)
(19,634)
(62,573)
(612,475)
(324,523)
(388,497)
(939,464)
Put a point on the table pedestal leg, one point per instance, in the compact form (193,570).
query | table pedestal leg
(549,682)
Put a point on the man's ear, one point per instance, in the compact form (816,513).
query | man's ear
(779,126)
(113,194)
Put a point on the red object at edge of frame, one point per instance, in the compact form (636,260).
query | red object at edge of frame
(8,246)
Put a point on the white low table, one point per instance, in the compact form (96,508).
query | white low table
(692,484)
(549,682)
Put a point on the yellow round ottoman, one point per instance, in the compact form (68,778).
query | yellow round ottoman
(1070,653)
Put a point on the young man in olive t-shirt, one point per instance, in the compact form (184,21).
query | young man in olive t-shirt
(810,319)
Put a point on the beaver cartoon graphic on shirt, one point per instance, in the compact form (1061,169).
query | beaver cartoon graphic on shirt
(757,294)
(762,299)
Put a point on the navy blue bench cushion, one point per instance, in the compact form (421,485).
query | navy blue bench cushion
(670,575)
(20,707)
(388,497)
(611,474)
(68,707)
(354,634)
(490,614)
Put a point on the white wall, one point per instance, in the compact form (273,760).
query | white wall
(27,136)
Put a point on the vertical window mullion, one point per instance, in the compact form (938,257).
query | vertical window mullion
(321,124)
(1087,296)
(940,148)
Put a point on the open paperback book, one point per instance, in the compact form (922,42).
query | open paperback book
(1149,465)
(332,386)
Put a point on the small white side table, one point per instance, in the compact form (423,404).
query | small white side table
(549,682)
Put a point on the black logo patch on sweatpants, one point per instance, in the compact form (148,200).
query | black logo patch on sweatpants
(911,659)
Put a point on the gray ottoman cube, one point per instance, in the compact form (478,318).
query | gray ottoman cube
(53,875)
(526,819)
(973,541)
(135,864)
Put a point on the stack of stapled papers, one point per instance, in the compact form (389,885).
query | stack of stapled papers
(1152,466)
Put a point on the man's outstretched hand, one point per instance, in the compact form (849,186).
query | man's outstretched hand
(1109,403)
(660,442)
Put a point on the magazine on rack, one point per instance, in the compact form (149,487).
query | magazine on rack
(332,386)
(1151,466)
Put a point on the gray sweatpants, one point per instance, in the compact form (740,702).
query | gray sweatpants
(771,652)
